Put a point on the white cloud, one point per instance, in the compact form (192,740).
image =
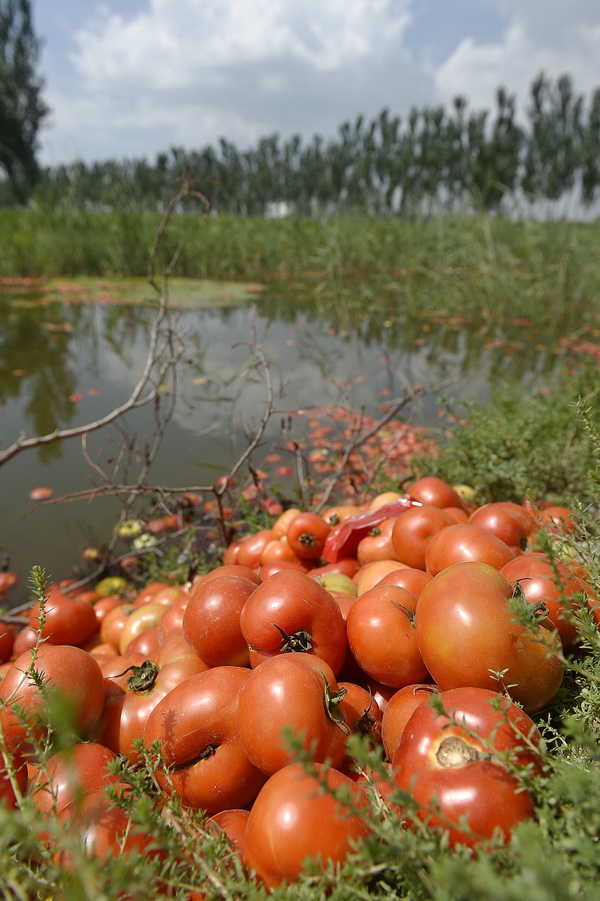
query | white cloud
(554,37)
(177,41)
(186,72)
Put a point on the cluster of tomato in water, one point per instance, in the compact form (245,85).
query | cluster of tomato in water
(413,643)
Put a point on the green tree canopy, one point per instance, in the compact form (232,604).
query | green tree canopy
(22,109)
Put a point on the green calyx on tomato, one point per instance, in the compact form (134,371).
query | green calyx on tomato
(143,676)
(297,642)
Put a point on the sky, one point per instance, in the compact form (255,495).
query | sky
(133,78)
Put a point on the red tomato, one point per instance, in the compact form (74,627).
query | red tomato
(251,549)
(377,544)
(414,530)
(143,687)
(361,711)
(7,641)
(434,491)
(306,535)
(114,622)
(232,823)
(553,585)
(65,620)
(468,635)
(465,543)
(556,518)
(13,779)
(414,580)
(172,620)
(278,549)
(294,819)
(196,726)
(292,612)
(399,710)
(145,643)
(337,514)
(507,521)
(460,765)
(147,593)
(382,637)
(71,773)
(277,566)
(294,697)
(71,676)
(227,569)
(104,829)
(211,622)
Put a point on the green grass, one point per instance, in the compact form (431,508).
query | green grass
(473,266)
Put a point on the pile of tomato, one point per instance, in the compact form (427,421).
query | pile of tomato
(434,628)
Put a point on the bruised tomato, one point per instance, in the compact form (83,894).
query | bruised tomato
(458,757)
(205,763)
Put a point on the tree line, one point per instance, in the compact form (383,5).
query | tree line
(432,160)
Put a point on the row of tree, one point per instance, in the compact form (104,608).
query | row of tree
(434,159)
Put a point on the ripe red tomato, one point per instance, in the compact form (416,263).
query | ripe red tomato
(414,580)
(461,766)
(414,530)
(7,641)
(289,611)
(104,829)
(71,678)
(465,543)
(252,547)
(399,710)
(554,586)
(143,686)
(469,635)
(556,518)
(211,622)
(65,621)
(290,696)
(382,637)
(435,491)
(507,521)
(71,773)
(196,726)
(377,544)
(293,819)
(306,535)
(361,711)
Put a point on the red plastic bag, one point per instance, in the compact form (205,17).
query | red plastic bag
(343,541)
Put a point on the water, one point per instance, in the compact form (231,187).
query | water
(72,354)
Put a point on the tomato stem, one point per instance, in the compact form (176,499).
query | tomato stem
(299,642)
(143,676)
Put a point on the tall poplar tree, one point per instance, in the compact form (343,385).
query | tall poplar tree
(22,109)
